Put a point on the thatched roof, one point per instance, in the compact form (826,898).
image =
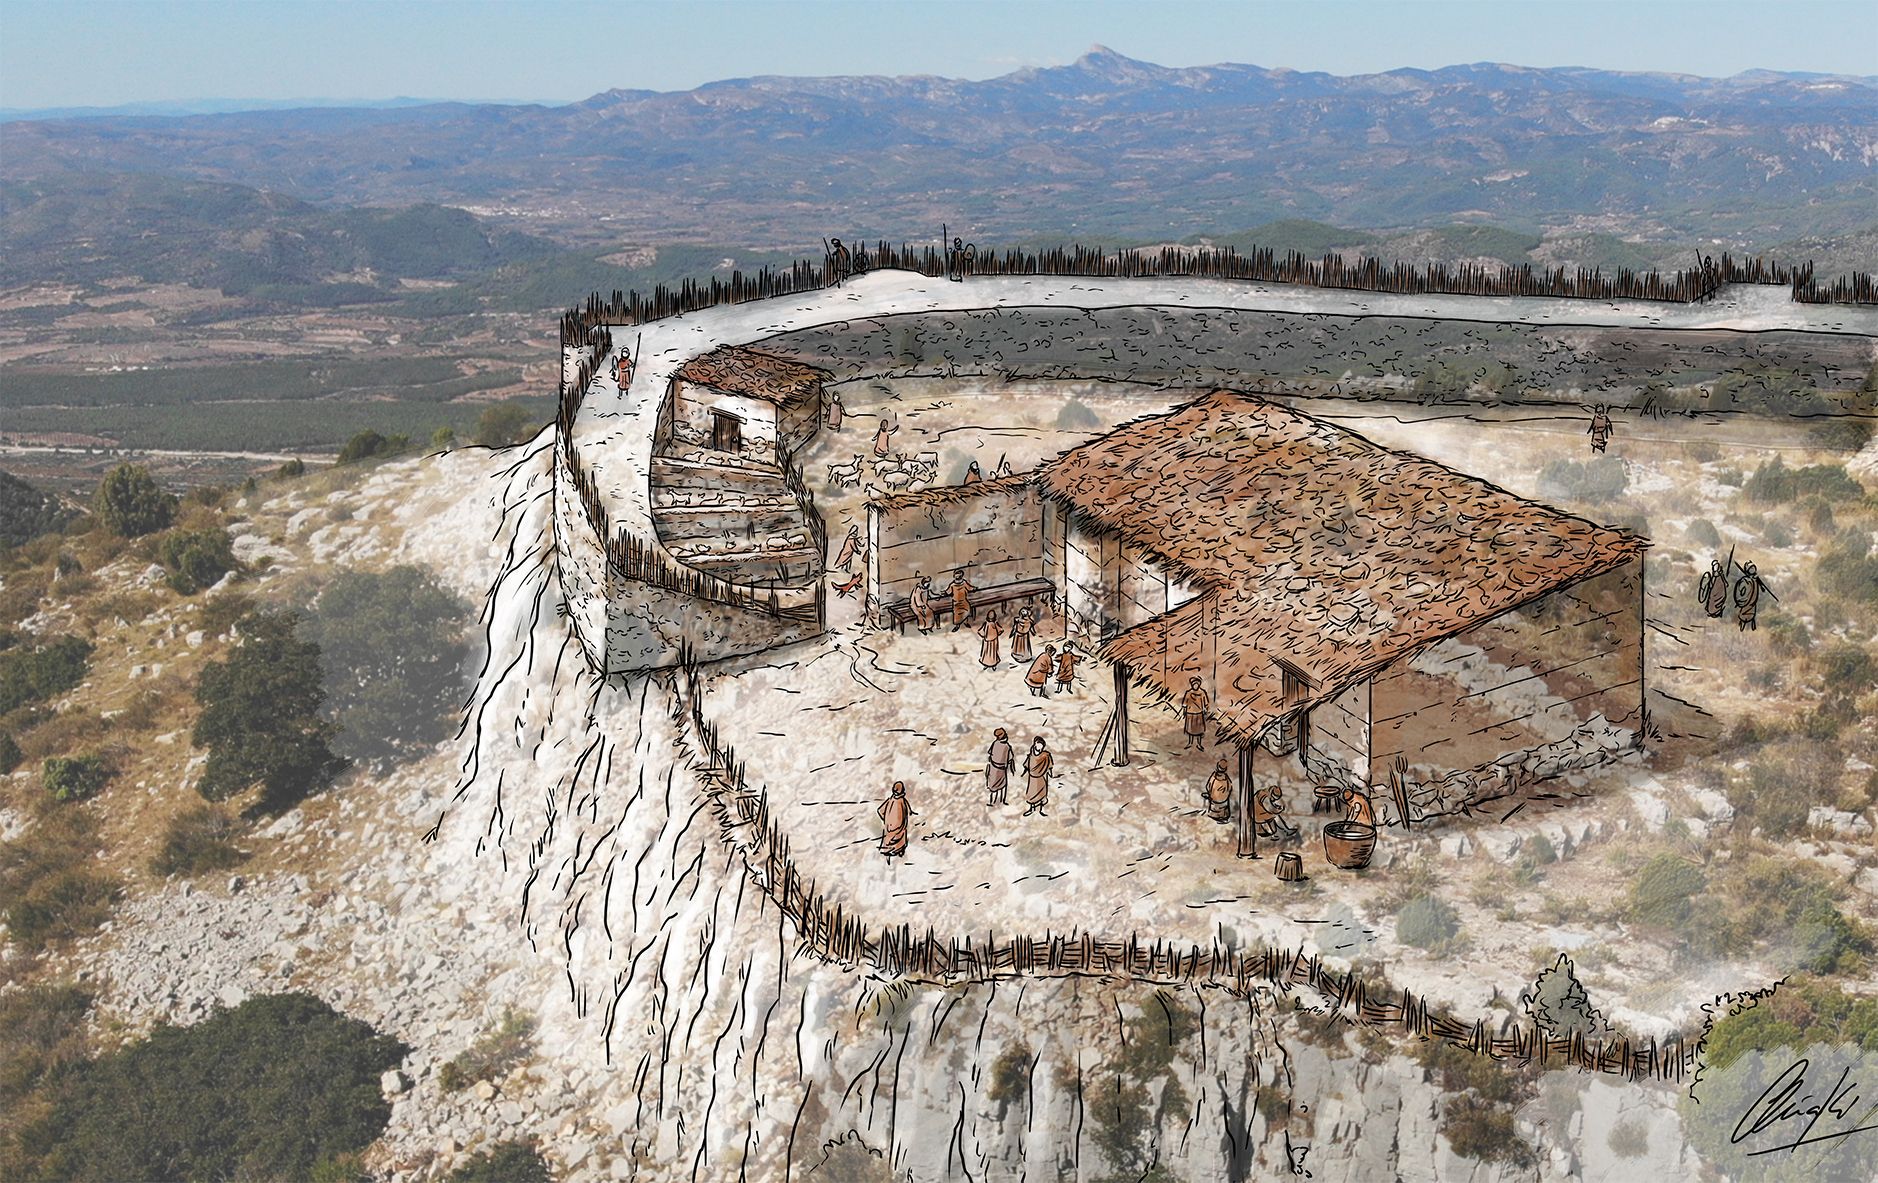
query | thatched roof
(751,374)
(1313,546)
(951,494)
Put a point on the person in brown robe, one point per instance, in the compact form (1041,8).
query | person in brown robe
(835,412)
(988,655)
(998,762)
(1218,793)
(850,547)
(1193,706)
(1600,429)
(1038,679)
(1356,807)
(1713,589)
(1268,814)
(1023,627)
(961,590)
(1065,670)
(924,614)
(883,434)
(1037,767)
(625,369)
(894,812)
(1748,597)
(972,475)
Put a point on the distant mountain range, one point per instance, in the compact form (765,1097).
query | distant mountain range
(1106,147)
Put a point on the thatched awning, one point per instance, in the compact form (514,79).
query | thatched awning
(1312,546)
(752,374)
(951,494)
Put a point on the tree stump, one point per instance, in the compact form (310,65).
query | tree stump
(1290,867)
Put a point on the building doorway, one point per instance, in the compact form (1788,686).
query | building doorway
(726,432)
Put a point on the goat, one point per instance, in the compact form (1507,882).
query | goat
(846,474)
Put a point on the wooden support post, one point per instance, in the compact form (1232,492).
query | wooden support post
(1120,759)
(1248,828)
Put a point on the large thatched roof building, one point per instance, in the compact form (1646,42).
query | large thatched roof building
(1315,557)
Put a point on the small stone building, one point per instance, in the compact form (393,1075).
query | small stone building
(741,405)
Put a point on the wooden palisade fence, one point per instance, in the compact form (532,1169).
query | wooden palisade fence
(831,931)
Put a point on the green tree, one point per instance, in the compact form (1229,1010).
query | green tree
(443,439)
(261,719)
(368,444)
(504,424)
(265,1091)
(1559,1005)
(25,512)
(74,778)
(34,675)
(392,646)
(131,504)
(196,559)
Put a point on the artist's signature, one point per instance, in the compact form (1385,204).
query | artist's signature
(1790,1104)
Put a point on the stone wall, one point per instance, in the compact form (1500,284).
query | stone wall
(693,408)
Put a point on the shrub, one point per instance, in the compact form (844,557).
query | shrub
(221,611)
(1629,1138)
(10,754)
(260,717)
(1778,791)
(196,559)
(392,647)
(1483,1130)
(504,424)
(492,1056)
(198,840)
(443,439)
(1773,482)
(290,469)
(33,675)
(1661,892)
(130,504)
(1010,1076)
(1847,568)
(1601,478)
(1076,416)
(265,1091)
(25,512)
(1559,1005)
(507,1162)
(1703,532)
(47,887)
(1425,922)
(75,778)
(369,444)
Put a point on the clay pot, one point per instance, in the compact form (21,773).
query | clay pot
(1349,844)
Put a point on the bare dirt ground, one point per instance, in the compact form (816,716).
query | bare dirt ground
(826,728)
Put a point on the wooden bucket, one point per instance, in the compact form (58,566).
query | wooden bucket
(1349,844)
(1290,867)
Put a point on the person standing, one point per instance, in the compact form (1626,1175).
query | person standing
(1023,627)
(835,411)
(972,475)
(1748,597)
(924,614)
(1066,670)
(625,373)
(961,590)
(850,546)
(1600,428)
(1038,679)
(1218,794)
(895,813)
(1193,705)
(989,632)
(998,767)
(841,261)
(1037,768)
(883,437)
(1712,590)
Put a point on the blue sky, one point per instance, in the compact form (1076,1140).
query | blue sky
(108,52)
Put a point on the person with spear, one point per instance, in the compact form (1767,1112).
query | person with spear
(1747,597)
(840,261)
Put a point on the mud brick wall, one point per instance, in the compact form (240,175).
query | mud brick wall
(1523,680)
(691,420)
(996,538)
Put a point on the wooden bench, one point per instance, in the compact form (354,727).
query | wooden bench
(1024,591)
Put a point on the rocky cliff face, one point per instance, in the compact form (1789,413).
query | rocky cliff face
(568,860)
